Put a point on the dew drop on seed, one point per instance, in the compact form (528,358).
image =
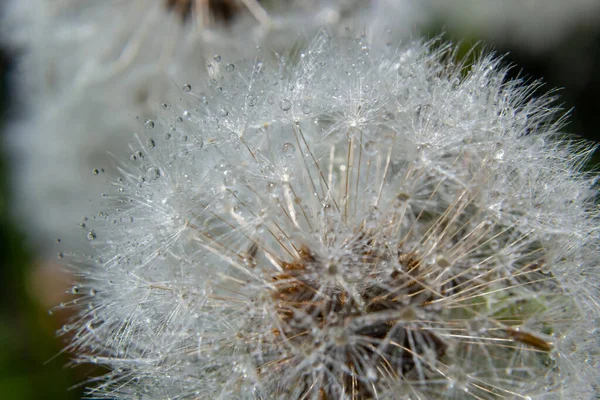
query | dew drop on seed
(153,173)
(442,261)
(167,136)
(95,171)
(91,235)
(285,105)
(217,58)
(372,374)
(149,124)
(187,88)
(229,67)
(332,269)
(288,149)
(150,143)
(545,269)
(223,112)
(370,148)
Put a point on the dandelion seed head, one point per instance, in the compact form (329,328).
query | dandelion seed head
(363,222)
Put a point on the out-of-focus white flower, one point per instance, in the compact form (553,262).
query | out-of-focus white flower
(358,221)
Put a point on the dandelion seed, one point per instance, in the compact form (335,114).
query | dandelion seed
(363,242)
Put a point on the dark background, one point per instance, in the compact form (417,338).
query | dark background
(31,363)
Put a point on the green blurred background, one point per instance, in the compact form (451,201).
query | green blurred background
(31,363)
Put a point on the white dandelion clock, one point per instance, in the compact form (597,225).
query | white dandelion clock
(358,222)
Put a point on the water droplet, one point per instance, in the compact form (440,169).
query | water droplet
(370,148)
(545,269)
(153,173)
(187,88)
(372,374)
(229,67)
(149,124)
(285,105)
(75,290)
(92,292)
(167,136)
(95,171)
(288,149)
(150,143)
(223,112)
(217,58)
(442,261)
(332,269)
(91,235)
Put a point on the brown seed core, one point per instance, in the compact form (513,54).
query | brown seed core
(392,301)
